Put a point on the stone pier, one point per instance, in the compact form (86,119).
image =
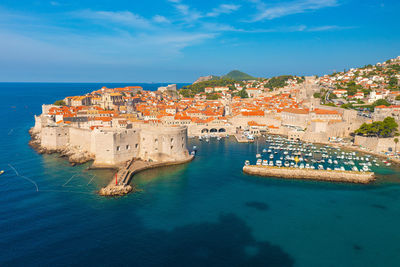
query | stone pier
(119,185)
(310,174)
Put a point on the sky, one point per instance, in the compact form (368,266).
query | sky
(180,40)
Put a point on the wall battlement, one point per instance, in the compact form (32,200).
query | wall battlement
(113,147)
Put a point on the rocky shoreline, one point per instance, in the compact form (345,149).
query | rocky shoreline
(75,156)
(308,174)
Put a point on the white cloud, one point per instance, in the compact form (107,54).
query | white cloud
(289,8)
(223,9)
(161,19)
(219,27)
(329,28)
(120,17)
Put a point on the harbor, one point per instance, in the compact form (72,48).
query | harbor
(277,156)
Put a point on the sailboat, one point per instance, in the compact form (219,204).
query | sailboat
(258,155)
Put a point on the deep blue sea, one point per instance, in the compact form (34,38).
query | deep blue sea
(205,213)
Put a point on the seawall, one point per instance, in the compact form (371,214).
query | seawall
(125,175)
(309,174)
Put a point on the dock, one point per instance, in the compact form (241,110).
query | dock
(120,184)
(311,174)
(242,139)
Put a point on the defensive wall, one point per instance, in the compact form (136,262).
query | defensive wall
(113,147)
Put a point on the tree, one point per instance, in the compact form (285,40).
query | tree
(193,89)
(347,106)
(380,102)
(242,93)
(212,96)
(396,140)
(393,82)
(59,103)
(279,81)
(386,128)
(317,95)
(398,97)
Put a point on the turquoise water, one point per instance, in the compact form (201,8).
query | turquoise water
(206,212)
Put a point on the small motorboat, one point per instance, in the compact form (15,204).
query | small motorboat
(1,172)
(247,163)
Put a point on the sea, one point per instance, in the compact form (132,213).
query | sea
(204,213)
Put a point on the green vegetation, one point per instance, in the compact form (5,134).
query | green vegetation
(278,82)
(352,88)
(193,89)
(300,79)
(238,76)
(330,104)
(393,82)
(347,106)
(395,67)
(386,128)
(59,103)
(242,93)
(317,95)
(212,96)
(398,97)
(332,96)
(381,102)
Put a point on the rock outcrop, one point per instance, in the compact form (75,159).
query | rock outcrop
(115,190)
(74,154)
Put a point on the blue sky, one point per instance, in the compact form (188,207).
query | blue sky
(179,40)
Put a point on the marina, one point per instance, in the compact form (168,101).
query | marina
(284,158)
(279,151)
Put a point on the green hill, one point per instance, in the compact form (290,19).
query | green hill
(238,76)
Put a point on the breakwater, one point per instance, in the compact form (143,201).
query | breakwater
(119,185)
(310,174)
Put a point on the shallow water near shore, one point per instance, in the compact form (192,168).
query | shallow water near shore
(206,212)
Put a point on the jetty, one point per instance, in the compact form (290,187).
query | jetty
(310,174)
(120,184)
(242,139)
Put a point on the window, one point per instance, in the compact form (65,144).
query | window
(128,147)
(136,145)
(172,147)
(118,148)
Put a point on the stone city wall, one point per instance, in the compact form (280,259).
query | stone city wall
(376,144)
(113,147)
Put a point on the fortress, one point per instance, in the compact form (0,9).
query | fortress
(110,147)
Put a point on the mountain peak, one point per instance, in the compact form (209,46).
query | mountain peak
(238,75)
